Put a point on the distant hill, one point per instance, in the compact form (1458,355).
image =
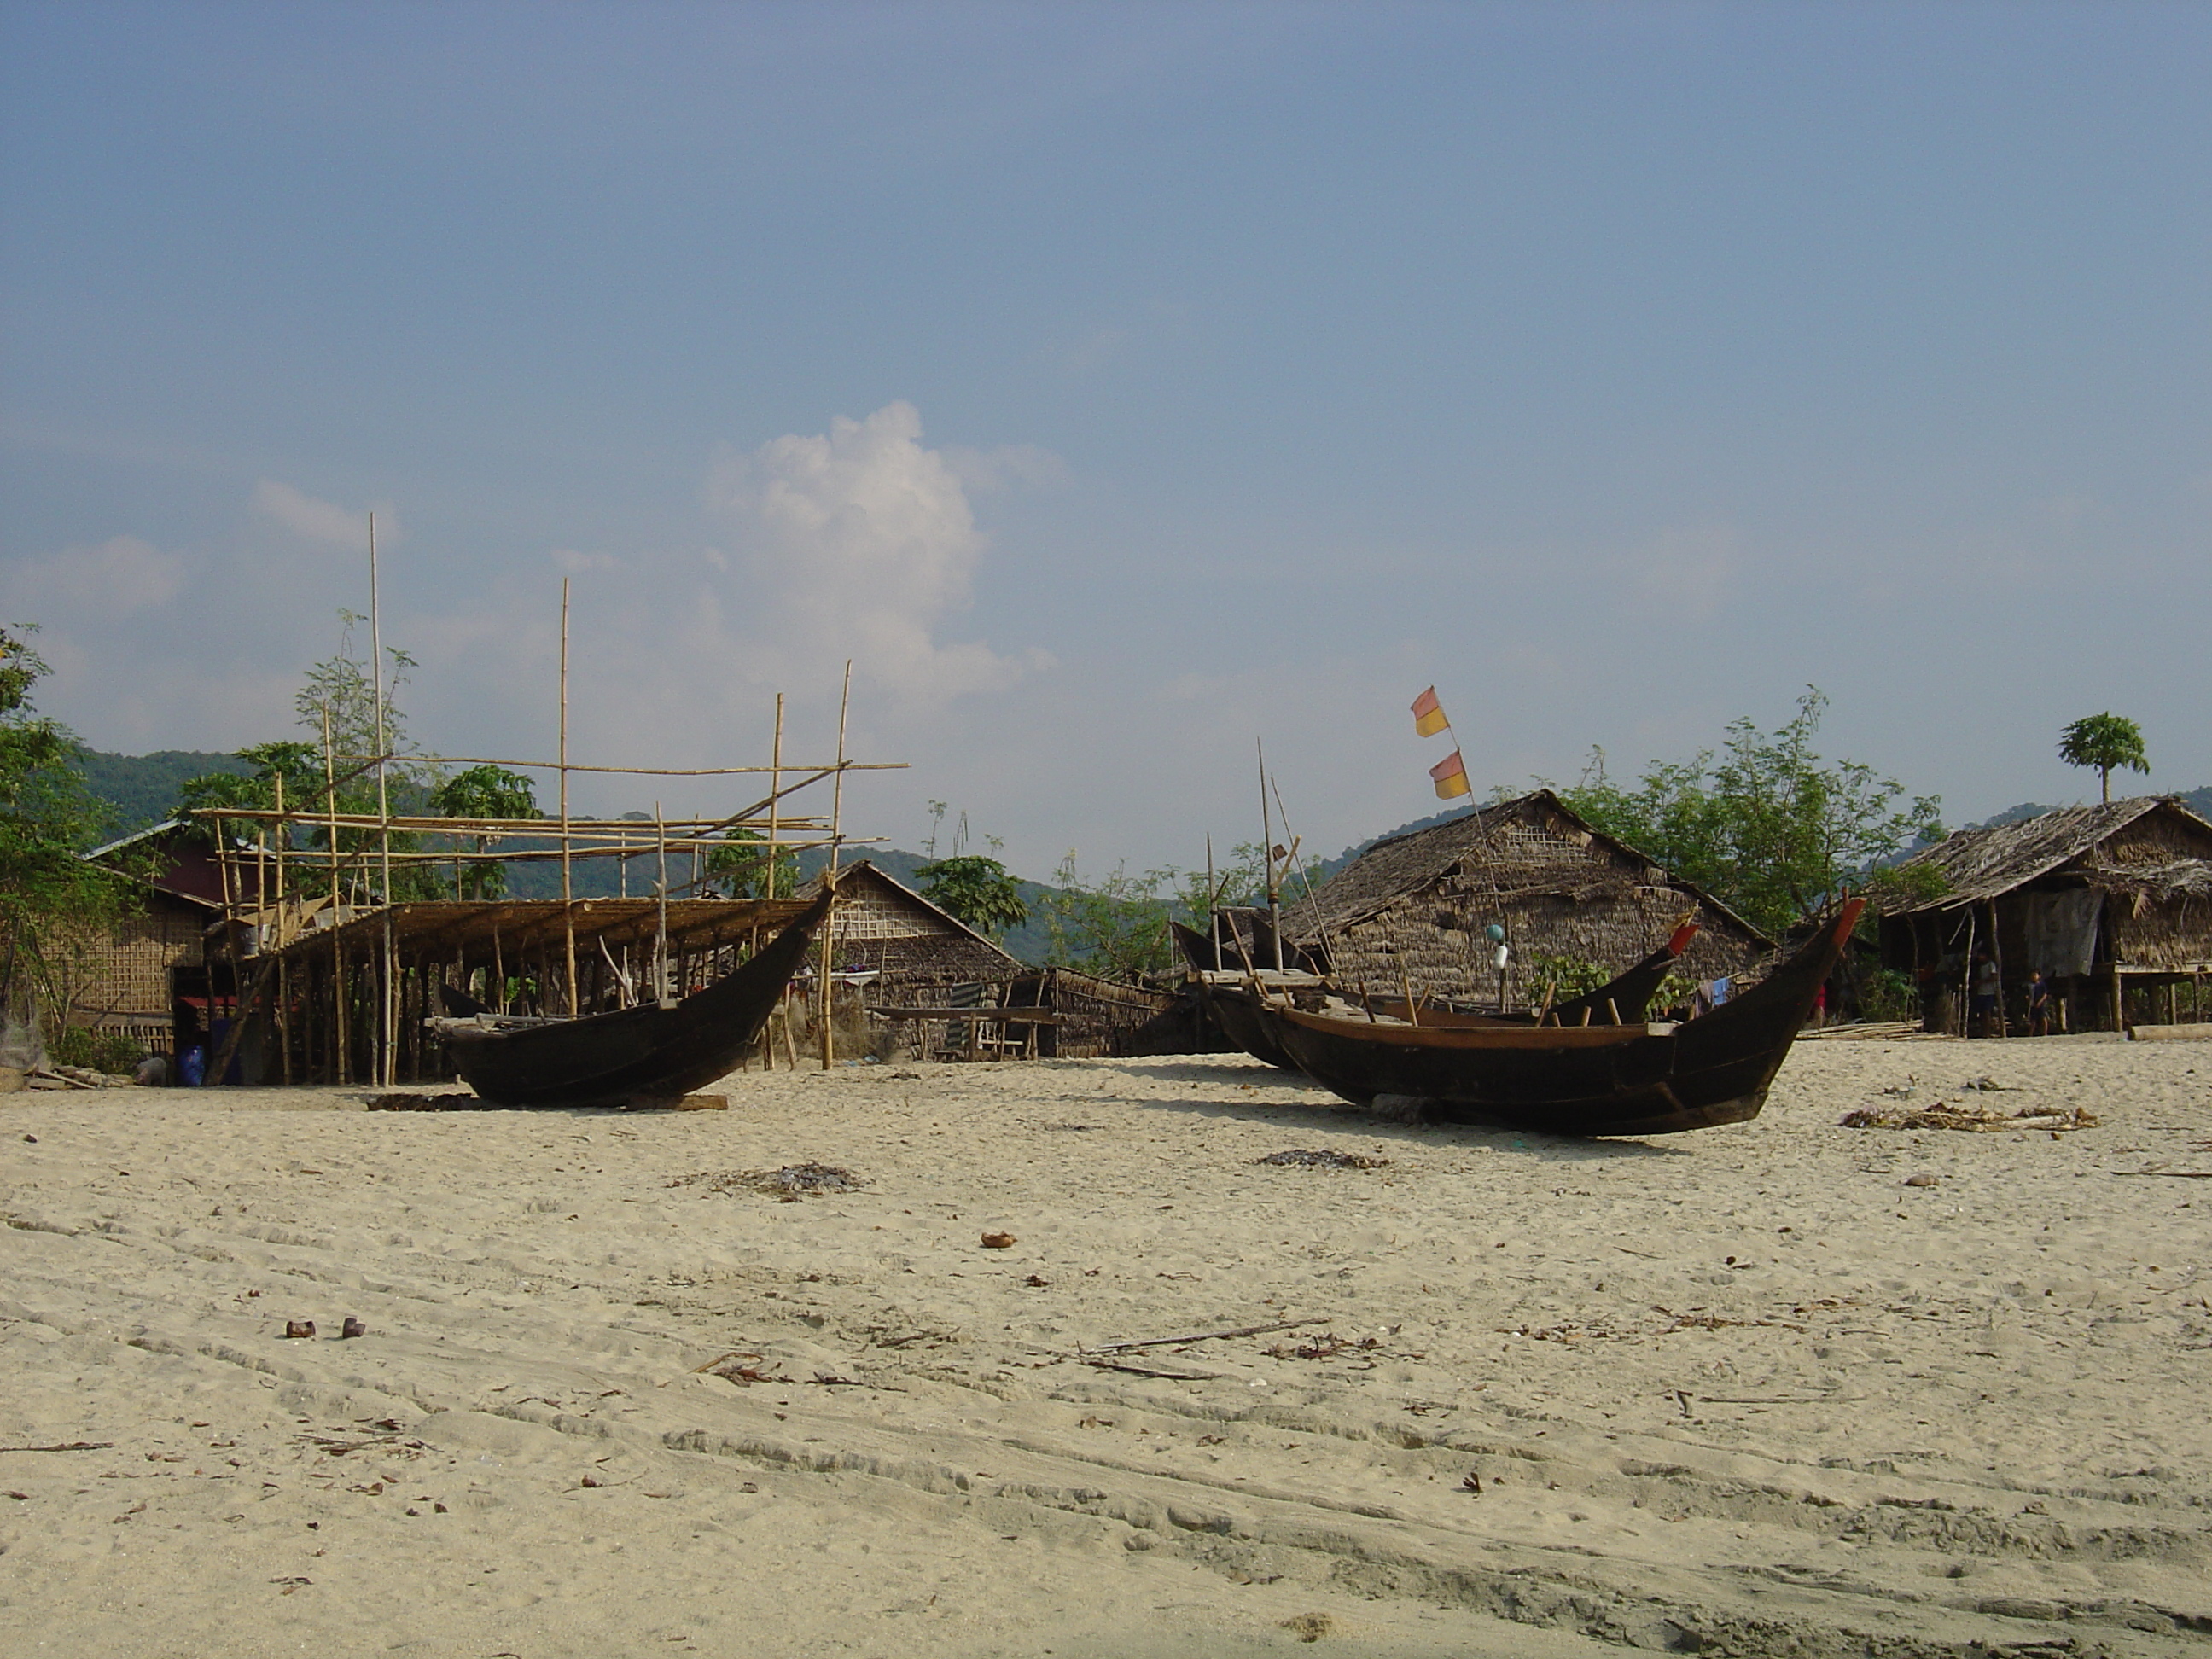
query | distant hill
(2199,801)
(142,789)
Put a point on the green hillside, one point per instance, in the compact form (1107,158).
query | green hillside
(142,789)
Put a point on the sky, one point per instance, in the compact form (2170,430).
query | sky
(1119,386)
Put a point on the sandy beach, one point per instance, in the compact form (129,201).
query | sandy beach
(1786,1387)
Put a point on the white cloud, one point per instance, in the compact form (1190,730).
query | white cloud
(320,520)
(120,573)
(863,542)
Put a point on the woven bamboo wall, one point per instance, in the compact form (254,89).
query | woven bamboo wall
(125,983)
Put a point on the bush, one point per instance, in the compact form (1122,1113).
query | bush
(117,1052)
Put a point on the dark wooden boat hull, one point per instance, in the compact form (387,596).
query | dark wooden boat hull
(1584,1080)
(635,1054)
(1244,1022)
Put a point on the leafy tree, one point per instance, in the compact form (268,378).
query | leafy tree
(1766,826)
(484,792)
(2107,742)
(743,867)
(53,905)
(1117,927)
(976,890)
(339,690)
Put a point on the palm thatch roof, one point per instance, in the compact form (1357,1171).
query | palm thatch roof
(1982,865)
(1391,872)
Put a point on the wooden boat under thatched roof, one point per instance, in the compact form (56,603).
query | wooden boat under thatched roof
(1596,1080)
(1414,909)
(1237,1002)
(651,1052)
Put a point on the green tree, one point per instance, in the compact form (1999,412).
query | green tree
(976,890)
(483,791)
(743,867)
(2106,743)
(54,906)
(1766,826)
(337,699)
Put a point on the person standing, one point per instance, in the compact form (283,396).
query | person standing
(1984,1006)
(2039,1005)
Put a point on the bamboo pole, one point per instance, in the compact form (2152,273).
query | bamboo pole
(830,879)
(775,792)
(1268,851)
(568,890)
(283,978)
(387,1005)
(661,923)
(1212,905)
(337,947)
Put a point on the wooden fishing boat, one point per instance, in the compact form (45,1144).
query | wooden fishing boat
(648,1054)
(1237,1001)
(1230,1001)
(1632,1078)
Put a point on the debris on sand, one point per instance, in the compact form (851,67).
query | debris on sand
(1308,1159)
(1975,1120)
(792,1181)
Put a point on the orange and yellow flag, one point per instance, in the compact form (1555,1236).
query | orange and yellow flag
(1428,713)
(1450,775)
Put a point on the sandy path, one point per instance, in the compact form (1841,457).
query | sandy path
(1745,1388)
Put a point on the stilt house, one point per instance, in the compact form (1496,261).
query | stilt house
(1415,909)
(2112,903)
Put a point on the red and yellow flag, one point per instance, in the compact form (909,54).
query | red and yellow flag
(1450,775)
(1428,713)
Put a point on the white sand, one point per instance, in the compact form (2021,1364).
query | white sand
(1744,1387)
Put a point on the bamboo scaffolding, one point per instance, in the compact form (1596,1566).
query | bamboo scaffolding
(387,1004)
(829,920)
(568,892)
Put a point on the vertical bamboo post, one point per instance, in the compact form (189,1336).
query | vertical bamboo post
(337,950)
(283,937)
(830,879)
(1267,835)
(387,1009)
(660,913)
(774,789)
(1996,956)
(1212,897)
(568,890)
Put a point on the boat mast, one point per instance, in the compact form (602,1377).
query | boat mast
(1268,852)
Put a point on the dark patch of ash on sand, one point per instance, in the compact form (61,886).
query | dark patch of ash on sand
(792,1181)
(1324,1160)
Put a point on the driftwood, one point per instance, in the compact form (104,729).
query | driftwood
(1146,1370)
(73,1445)
(1200,1336)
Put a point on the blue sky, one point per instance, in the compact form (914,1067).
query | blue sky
(1118,384)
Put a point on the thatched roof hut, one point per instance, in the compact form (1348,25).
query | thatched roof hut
(1414,909)
(917,950)
(905,953)
(2100,900)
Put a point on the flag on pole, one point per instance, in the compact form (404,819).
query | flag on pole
(1450,775)
(1428,713)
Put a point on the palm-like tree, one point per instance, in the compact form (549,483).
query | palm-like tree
(2107,742)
